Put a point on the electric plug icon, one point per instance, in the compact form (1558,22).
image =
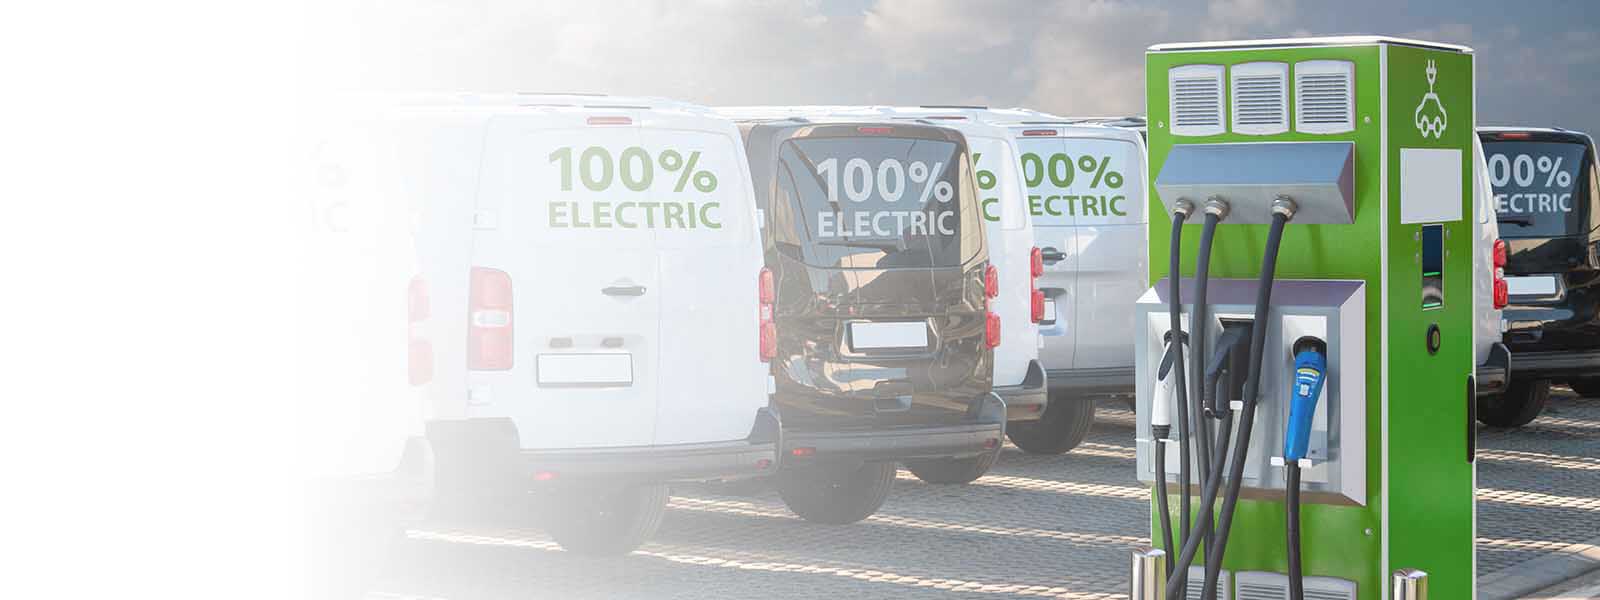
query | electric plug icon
(1431,122)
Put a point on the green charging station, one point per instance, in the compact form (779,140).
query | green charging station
(1305,350)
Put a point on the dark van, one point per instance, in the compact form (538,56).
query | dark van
(884,339)
(1548,205)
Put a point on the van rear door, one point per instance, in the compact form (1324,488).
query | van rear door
(565,217)
(1107,195)
(711,380)
(894,211)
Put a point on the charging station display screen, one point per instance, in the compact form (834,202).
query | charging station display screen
(1432,266)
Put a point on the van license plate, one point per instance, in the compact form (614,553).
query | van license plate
(1049,311)
(1537,285)
(586,369)
(866,336)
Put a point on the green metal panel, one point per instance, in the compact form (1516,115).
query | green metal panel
(1429,489)
(1430,481)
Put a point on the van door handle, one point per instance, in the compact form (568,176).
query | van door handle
(1051,256)
(623,290)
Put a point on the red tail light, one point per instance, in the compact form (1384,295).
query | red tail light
(991,330)
(419,351)
(1035,270)
(1500,254)
(1502,293)
(768,293)
(875,130)
(1038,132)
(489,325)
(991,282)
(769,288)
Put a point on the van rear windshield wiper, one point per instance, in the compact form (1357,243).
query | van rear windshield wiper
(1518,220)
(884,245)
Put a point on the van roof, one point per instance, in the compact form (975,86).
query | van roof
(952,115)
(1347,40)
(1507,128)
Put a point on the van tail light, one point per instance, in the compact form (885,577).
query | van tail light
(419,351)
(991,282)
(767,292)
(991,330)
(1036,297)
(1502,290)
(489,324)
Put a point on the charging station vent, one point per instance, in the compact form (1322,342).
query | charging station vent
(1197,584)
(1196,96)
(1324,96)
(1260,98)
(1260,585)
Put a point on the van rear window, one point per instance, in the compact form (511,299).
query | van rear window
(876,202)
(1539,187)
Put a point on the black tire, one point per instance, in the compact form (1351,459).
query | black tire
(1063,426)
(953,471)
(1519,405)
(608,523)
(1588,387)
(836,496)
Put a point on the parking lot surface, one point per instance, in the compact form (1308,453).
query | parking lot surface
(1034,527)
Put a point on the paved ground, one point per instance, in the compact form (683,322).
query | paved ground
(1057,527)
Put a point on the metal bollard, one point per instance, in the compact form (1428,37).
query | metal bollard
(1409,584)
(1148,579)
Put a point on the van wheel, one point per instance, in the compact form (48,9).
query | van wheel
(953,470)
(1063,426)
(1519,405)
(608,523)
(837,496)
(1588,387)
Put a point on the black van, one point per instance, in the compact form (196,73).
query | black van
(884,339)
(1548,203)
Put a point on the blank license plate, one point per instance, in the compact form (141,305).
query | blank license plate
(1538,285)
(1049,311)
(585,369)
(889,335)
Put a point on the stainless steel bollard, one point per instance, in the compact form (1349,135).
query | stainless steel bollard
(1409,584)
(1148,579)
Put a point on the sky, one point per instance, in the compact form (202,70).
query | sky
(1537,61)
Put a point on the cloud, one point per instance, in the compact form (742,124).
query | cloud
(1069,56)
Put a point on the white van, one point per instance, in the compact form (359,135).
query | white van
(1086,194)
(603,273)
(365,463)
(1019,377)
(1489,293)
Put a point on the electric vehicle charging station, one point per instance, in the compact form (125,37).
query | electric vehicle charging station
(1313,415)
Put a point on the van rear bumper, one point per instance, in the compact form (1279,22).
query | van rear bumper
(1495,373)
(802,448)
(486,455)
(1025,401)
(1558,364)
(686,462)
(1099,381)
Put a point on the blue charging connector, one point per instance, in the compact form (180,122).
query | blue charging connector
(1310,372)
